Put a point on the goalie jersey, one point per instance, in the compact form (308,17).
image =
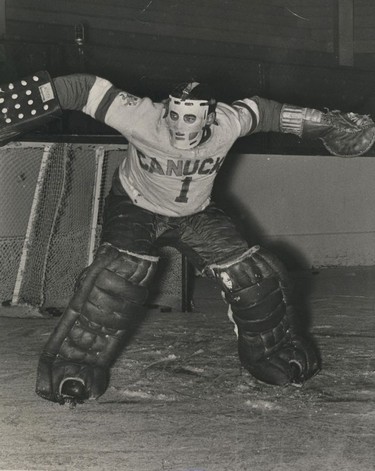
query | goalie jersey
(157,176)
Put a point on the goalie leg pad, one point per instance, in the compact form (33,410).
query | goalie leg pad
(257,288)
(106,308)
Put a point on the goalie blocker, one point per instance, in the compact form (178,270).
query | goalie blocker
(27,104)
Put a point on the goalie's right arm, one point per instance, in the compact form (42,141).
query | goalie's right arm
(34,101)
(88,93)
(73,90)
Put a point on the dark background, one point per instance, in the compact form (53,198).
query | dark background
(314,53)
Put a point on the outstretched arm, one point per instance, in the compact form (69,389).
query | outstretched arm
(34,101)
(73,90)
(343,134)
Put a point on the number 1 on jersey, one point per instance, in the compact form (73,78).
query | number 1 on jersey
(182,197)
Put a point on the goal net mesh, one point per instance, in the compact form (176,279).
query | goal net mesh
(51,204)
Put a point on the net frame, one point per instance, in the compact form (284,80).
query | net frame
(173,290)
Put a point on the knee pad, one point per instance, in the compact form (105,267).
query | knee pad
(105,309)
(256,285)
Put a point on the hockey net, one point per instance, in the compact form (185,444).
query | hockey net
(52,198)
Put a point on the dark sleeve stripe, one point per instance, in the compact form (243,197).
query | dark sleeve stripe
(106,102)
(254,119)
(73,90)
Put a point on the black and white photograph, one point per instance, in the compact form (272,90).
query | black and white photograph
(187,235)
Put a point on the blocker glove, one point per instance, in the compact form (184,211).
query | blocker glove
(26,104)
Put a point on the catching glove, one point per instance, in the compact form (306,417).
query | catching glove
(343,134)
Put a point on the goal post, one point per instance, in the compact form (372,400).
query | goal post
(29,230)
(99,162)
(51,204)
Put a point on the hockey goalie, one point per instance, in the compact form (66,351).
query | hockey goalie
(161,194)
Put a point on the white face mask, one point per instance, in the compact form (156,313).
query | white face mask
(186,120)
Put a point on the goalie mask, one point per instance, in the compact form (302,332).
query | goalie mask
(190,112)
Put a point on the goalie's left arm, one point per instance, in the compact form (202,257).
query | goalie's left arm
(343,134)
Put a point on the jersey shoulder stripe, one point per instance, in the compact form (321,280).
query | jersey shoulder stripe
(105,103)
(96,94)
(254,116)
